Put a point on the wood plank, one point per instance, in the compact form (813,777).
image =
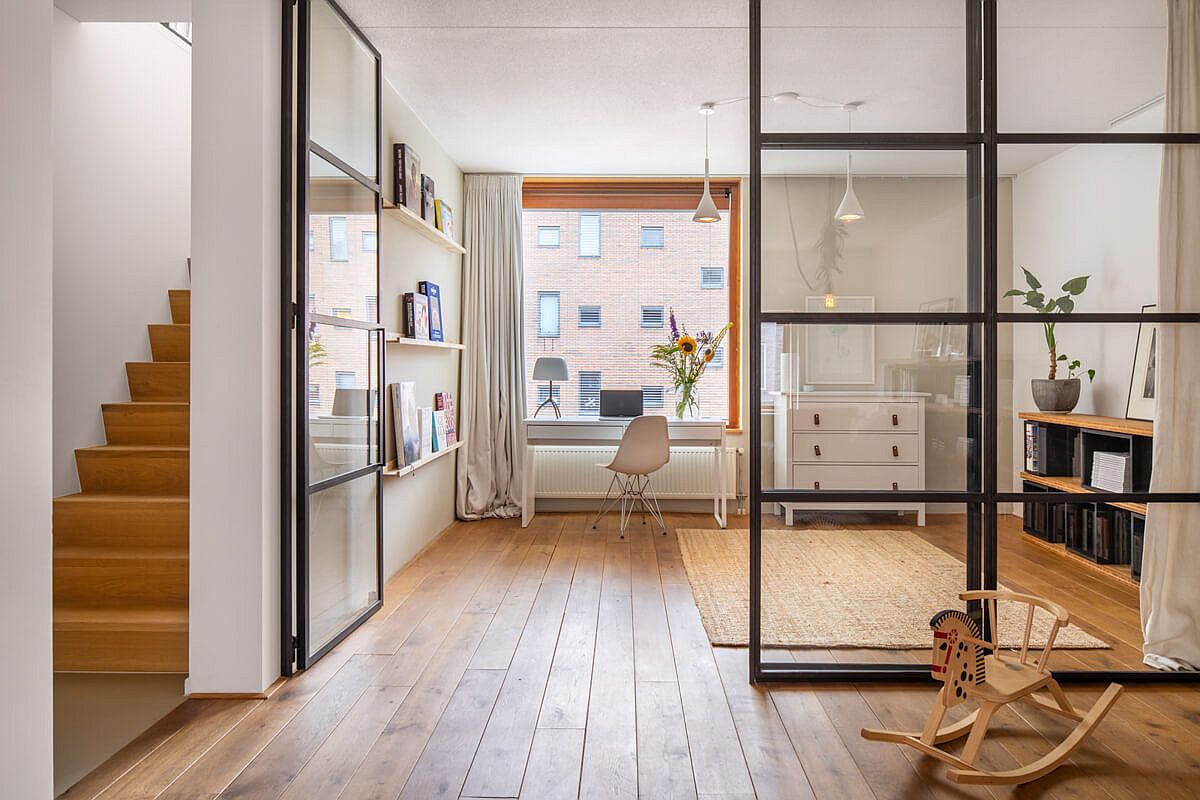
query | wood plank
(151,381)
(390,761)
(565,702)
(610,750)
(555,761)
(504,749)
(774,766)
(664,763)
(170,342)
(146,423)
(330,768)
(717,758)
(443,766)
(116,522)
(121,640)
(181,305)
(1092,422)
(97,577)
(269,774)
(133,470)
(831,770)
(653,658)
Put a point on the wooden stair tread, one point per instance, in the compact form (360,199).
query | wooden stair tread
(121,618)
(84,497)
(134,448)
(181,305)
(104,552)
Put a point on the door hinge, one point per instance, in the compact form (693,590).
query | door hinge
(295,647)
(295,314)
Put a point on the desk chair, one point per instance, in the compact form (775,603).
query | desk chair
(643,450)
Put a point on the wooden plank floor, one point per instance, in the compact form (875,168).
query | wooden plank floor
(558,662)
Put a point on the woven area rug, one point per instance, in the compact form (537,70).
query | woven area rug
(838,588)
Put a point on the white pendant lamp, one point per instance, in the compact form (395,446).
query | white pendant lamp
(849,209)
(707,210)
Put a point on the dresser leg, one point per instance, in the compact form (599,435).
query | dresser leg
(921,516)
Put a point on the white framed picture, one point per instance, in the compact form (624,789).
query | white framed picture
(1141,402)
(839,354)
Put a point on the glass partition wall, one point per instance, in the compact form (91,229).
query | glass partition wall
(908,164)
(333,459)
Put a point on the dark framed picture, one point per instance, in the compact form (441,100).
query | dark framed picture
(1142,392)
(427,198)
(407,178)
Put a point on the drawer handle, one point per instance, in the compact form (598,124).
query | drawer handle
(895,486)
(895,451)
(816,419)
(895,419)
(816,484)
(816,449)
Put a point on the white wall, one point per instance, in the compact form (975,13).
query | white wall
(26,209)
(234,549)
(418,506)
(1090,210)
(122,186)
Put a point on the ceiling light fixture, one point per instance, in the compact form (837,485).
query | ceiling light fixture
(707,210)
(850,209)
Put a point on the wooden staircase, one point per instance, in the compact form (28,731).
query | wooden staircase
(121,543)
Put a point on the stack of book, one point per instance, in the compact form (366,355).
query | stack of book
(1110,471)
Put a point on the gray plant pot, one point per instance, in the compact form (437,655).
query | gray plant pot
(1060,395)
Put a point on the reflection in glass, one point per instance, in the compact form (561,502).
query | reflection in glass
(342,91)
(342,556)
(909,252)
(343,408)
(342,256)
(902,424)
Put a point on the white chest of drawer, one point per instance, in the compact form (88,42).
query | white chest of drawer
(850,441)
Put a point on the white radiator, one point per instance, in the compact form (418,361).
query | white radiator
(573,472)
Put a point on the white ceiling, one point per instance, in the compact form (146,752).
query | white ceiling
(612,86)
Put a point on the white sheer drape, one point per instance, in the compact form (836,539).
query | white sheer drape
(491,462)
(1170,591)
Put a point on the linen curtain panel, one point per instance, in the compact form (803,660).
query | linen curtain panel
(490,466)
(1170,590)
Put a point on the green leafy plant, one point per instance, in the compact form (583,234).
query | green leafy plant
(685,358)
(316,354)
(1036,299)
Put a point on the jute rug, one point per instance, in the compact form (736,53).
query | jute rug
(838,588)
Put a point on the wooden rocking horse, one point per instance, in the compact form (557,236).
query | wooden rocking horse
(974,669)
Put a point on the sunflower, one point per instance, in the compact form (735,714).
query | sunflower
(686,344)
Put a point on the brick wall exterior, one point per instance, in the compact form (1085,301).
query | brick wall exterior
(625,277)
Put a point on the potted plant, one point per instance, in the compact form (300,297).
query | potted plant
(1054,393)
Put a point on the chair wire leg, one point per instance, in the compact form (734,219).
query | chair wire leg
(606,504)
(655,510)
(626,504)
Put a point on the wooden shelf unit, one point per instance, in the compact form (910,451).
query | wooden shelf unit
(414,221)
(1075,485)
(1091,422)
(392,337)
(392,471)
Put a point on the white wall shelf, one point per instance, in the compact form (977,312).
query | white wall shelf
(392,337)
(414,221)
(392,471)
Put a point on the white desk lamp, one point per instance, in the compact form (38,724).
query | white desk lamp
(549,368)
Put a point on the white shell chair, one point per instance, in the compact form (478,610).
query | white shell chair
(644,449)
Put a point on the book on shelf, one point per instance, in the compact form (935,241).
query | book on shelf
(444,401)
(427,198)
(444,217)
(416,315)
(1111,471)
(405,425)
(439,431)
(406,178)
(425,413)
(433,295)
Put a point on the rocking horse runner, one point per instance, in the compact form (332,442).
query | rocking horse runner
(974,669)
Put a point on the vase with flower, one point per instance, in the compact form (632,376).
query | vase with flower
(685,358)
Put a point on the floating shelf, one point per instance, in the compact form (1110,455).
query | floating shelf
(391,337)
(414,221)
(1074,485)
(392,471)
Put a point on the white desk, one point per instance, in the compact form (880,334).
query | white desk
(567,431)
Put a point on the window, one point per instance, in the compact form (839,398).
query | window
(589,235)
(345,380)
(314,394)
(370,242)
(548,314)
(589,316)
(653,235)
(589,393)
(549,236)
(653,316)
(338,251)
(606,324)
(544,392)
(712,277)
(343,313)
(372,308)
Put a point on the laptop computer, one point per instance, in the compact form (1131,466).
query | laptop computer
(620,402)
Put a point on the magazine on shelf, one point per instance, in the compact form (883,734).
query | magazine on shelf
(434,298)
(404,423)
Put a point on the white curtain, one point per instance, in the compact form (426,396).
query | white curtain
(490,465)
(1170,590)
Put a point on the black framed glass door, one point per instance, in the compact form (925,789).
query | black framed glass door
(333,464)
(883,349)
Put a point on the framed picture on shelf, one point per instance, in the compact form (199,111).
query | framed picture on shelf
(1141,404)
(839,354)
(434,296)
(427,198)
(406,189)
(445,218)
(416,315)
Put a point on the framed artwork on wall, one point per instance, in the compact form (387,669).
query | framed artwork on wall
(1141,403)
(839,354)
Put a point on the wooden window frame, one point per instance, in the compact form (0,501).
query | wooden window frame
(659,194)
